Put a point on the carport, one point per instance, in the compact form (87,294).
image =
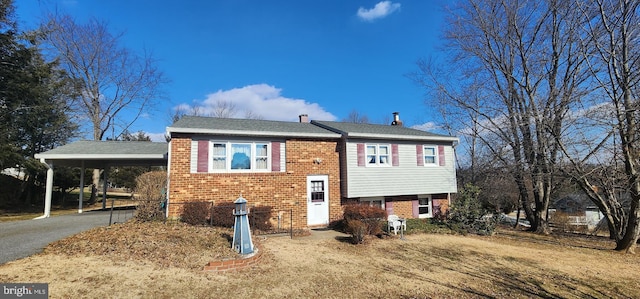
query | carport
(99,155)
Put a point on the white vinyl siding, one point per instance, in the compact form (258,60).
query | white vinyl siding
(194,156)
(405,179)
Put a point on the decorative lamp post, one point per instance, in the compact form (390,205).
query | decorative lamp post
(241,233)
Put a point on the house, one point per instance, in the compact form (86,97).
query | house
(309,169)
(578,210)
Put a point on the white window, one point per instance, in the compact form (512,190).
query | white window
(219,156)
(424,207)
(239,156)
(378,155)
(373,201)
(430,155)
(262,157)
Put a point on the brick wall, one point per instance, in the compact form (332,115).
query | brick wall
(403,205)
(282,191)
(440,203)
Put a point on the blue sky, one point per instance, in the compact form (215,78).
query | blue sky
(277,59)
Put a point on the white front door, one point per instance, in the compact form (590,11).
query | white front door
(317,200)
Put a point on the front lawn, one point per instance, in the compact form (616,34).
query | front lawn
(162,261)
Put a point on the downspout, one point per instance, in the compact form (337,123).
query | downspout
(49,190)
(166,206)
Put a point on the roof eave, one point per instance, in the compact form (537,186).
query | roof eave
(402,137)
(250,133)
(99,156)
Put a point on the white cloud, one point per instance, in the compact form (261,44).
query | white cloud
(380,10)
(260,101)
(429,126)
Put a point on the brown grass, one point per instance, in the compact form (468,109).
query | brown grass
(149,261)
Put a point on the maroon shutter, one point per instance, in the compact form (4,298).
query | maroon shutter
(395,159)
(419,155)
(389,207)
(441,155)
(203,155)
(275,156)
(415,209)
(361,156)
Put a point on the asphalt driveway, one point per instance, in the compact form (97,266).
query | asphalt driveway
(20,239)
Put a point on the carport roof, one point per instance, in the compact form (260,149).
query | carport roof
(99,154)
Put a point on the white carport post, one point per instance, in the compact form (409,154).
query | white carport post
(104,187)
(49,190)
(81,196)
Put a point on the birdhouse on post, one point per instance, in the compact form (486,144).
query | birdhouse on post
(241,232)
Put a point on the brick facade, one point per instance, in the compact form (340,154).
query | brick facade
(282,191)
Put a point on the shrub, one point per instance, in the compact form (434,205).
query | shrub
(222,215)
(259,218)
(151,192)
(363,219)
(426,225)
(467,214)
(357,229)
(196,212)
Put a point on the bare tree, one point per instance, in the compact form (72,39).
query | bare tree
(356,117)
(113,84)
(608,168)
(219,108)
(518,62)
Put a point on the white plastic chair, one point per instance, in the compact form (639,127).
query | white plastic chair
(393,222)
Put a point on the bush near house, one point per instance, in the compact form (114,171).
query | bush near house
(221,215)
(363,220)
(467,215)
(150,188)
(196,212)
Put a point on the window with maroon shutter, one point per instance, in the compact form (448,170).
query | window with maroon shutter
(441,155)
(221,156)
(419,155)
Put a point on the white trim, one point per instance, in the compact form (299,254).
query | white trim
(114,156)
(251,133)
(401,137)
(377,154)
(435,155)
(228,159)
(318,208)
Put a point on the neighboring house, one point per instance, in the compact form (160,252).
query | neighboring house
(578,209)
(310,168)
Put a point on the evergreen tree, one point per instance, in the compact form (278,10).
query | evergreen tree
(33,110)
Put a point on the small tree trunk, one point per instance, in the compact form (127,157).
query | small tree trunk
(630,238)
(517,218)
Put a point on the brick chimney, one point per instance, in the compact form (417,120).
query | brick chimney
(304,118)
(396,119)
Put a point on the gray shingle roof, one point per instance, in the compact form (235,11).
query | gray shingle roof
(102,153)
(110,148)
(353,130)
(247,127)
